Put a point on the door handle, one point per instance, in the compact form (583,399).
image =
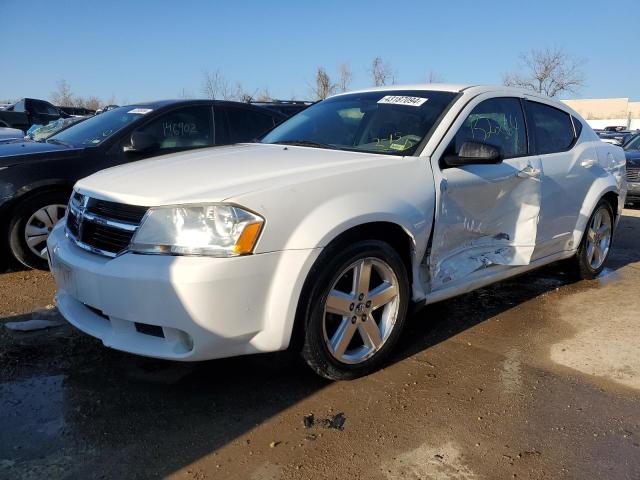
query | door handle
(588,163)
(529,172)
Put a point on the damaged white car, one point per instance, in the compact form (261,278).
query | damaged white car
(320,236)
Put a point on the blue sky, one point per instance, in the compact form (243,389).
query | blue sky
(144,50)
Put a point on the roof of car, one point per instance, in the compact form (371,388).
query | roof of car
(448,87)
(457,88)
(157,104)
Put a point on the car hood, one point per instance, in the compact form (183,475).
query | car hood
(633,158)
(219,173)
(12,153)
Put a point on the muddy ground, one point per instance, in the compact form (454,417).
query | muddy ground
(535,377)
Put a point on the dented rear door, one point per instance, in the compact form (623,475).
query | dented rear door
(487,215)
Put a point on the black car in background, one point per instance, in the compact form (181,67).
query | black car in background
(77,111)
(29,111)
(632,154)
(36,178)
(617,137)
(286,107)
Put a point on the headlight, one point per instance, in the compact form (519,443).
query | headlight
(216,230)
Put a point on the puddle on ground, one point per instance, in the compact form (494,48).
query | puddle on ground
(31,415)
(445,462)
(608,276)
(606,326)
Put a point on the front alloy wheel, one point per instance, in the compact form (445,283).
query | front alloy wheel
(355,304)
(361,310)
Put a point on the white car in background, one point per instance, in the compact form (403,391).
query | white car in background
(320,236)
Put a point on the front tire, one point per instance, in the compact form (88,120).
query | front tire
(30,225)
(355,309)
(595,246)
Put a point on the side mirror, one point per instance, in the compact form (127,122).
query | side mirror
(141,142)
(474,153)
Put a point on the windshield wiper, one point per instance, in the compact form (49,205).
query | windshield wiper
(307,143)
(55,141)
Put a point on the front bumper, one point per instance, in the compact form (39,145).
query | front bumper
(176,307)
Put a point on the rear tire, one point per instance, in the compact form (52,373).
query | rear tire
(354,307)
(592,254)
(30,225)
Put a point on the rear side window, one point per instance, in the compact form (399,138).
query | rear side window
(246,124)
(552,127)
(187,127)
(498,122)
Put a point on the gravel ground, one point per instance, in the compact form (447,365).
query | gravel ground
(535,377)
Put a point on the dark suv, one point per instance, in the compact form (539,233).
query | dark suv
(632,154)
(36,178)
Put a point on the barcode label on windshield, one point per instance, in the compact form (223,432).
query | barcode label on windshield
(402,100)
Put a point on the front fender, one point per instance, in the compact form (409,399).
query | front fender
(311,213)
(337,215)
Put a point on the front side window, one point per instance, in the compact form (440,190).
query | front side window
(498,122)
(391,122)
(182,128)
(553,128)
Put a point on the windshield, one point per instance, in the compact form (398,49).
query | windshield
(633,144)
(391,122)
(96,130)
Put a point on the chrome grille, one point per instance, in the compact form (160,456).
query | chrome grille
(633,174)
(100,226)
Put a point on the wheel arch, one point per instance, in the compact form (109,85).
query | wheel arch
(389,232)
(25,193)
(600,191)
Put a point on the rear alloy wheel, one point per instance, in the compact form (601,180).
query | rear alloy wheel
(596,243)
(31,225)
(359,304)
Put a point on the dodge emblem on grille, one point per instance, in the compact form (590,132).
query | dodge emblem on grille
(81,209)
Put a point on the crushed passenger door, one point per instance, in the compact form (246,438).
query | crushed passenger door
(487,215)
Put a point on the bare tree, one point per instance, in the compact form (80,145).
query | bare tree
(434,77)
(323,86)
(62,95)
(243,95)
(92,103)
(264,95)
(215,85)
(344,72)
(381,73)
(551,71)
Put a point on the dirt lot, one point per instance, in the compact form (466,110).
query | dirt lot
(532,378)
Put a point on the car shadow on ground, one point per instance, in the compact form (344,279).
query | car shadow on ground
(118,415)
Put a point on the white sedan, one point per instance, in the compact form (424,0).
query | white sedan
(319,236)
